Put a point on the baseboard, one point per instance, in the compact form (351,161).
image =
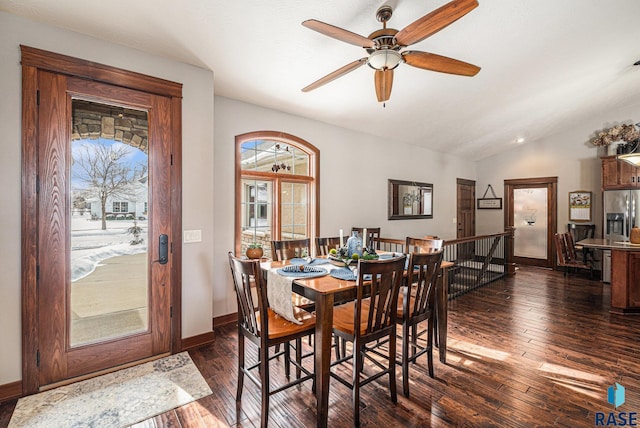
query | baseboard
(10,391)
(196,341)
(225,320)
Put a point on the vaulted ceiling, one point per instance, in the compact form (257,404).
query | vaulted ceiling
(545,64)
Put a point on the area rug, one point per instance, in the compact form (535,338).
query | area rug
(116,399)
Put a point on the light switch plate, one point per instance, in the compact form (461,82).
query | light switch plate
(192,236)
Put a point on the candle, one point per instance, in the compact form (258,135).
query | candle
(364,238)
(341,239)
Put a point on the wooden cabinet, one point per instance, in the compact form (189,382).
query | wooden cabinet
(617,174)
(625,287)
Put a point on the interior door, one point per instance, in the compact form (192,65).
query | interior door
(466,215)
(531,208)
(466,212)
(104,218)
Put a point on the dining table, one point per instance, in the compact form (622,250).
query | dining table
(325,291)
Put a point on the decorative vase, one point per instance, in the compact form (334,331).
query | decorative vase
(254,253)
(634,237)
(612,149)
(354,245)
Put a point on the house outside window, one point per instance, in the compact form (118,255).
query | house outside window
(120,207)
(276,189)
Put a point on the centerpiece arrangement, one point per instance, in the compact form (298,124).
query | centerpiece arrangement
(354,250)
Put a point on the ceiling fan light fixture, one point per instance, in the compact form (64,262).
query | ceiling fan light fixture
(384,59)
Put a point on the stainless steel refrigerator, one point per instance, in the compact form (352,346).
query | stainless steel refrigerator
(621,213)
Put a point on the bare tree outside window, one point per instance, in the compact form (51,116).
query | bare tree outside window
(105,171)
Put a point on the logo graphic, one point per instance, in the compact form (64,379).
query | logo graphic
(615,395)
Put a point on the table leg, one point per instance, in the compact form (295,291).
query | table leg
(324,328)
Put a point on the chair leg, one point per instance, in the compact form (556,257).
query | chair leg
(287,359)
(430,346)
(357,368)
(405,358)
(392,367)
(264,379)
(240,367)
(337,345)
(298,356)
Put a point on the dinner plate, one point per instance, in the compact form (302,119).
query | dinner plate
(302,271)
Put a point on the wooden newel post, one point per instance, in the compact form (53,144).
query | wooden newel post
(510,265)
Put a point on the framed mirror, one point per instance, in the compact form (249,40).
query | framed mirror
(410,199)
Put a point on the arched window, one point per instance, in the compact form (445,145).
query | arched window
(277,191)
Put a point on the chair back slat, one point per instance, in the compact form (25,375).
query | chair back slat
(324,245)
(286,250)
(421,279)
(246,274)
(385,281)
(561,248)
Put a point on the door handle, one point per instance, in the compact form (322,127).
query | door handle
(163,249)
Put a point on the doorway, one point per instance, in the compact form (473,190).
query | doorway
(531,209)
(466,215)
(101,218)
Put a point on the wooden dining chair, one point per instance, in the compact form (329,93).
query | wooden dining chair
(368,322)
(425,245)
(265,329)
(578,233)
(323,245)
(373,236)
(567,257)
(416,304)
(286,250)
(422,245)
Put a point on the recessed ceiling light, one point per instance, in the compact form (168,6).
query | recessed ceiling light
(520,140)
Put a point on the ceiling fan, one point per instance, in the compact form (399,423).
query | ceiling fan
(385,46)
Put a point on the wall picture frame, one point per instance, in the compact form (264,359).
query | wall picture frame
(580,203)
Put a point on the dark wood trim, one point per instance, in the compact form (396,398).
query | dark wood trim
(58,63)
(35,60)
(314,172)
(176,224)
(551,183)
(10,391)
(197,341)
(29,229)
(225,320)
(465,182)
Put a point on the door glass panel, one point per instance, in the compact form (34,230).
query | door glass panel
(109,294)
(257,208)
(294,208)
(530,221)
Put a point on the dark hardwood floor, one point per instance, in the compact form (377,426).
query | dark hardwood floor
(539,349)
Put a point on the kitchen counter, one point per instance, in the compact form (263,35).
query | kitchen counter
(625,271)
(608,244)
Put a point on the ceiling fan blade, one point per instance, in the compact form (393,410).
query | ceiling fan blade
(435,21)
(334,75)
(383,82)
(443,64)
(339,33)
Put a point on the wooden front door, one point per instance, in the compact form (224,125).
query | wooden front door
(103,229)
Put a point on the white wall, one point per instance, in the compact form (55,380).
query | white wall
(354,169)
(197,141)
(568,155)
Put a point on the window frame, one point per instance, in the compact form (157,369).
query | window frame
(312,179)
